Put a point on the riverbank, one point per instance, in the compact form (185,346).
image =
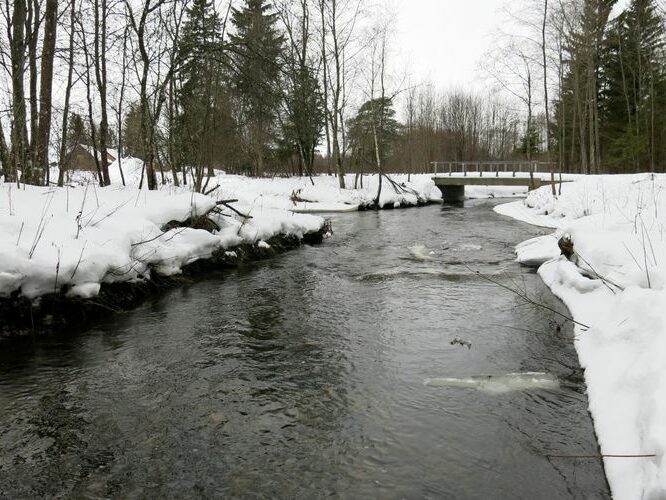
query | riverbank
(71,241)
(67,251)
(615,289)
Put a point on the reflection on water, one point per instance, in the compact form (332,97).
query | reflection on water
(303,377)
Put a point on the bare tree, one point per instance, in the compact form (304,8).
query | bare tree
(63,162)
(100,49)
(165,18)
(19,135)
(339,20)
(46,87)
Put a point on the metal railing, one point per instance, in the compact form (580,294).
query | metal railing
(491,167)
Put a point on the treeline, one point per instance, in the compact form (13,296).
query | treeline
(186,85)
(304,86)
(597,74)
(611,114)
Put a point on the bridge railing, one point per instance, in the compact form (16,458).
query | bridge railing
(491,167)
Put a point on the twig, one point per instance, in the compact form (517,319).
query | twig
(20,233)
(226,204)
(157,237)
(55,286)
(526,298)
(76,268)
(112,212)
(212,190)
(605,281)
(602,456)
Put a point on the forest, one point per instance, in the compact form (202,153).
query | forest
(297,87)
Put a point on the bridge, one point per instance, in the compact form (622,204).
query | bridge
(488,173)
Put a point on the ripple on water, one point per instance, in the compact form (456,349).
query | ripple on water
(303,377)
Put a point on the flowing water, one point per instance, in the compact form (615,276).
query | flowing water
(328,371)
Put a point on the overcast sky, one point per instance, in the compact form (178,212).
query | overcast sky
(444,40)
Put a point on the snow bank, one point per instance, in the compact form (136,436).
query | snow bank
(80,237)
(299,194)
(617,288)
(321,194)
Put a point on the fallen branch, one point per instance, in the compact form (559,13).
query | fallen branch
(212,190)
(526,298)
(226,204)
(602,456)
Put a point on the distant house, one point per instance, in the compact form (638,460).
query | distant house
(81,158)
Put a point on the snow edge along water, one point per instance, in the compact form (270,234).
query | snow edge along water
(615,285)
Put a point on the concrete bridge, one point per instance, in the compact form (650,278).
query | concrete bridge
(453,187)
(530,174)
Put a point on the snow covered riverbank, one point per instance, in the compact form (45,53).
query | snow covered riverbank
(76,238)
(617,289)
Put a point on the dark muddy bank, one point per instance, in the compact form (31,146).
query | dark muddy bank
(20,316)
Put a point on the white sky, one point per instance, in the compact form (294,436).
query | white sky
(443,41)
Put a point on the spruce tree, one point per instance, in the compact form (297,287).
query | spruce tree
(202,126)
(376,114)
(257,47)
(304,121)
(632,88)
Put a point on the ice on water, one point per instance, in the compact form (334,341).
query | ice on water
(498,384)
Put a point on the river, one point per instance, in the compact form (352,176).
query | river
(303,377)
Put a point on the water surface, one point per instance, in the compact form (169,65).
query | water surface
(303,377)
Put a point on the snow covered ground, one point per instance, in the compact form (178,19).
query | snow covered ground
(80,237)
(617,288)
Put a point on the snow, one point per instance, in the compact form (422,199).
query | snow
(81,236)
(498,384)
(616,286)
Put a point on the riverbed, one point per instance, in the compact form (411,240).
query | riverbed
(304,376)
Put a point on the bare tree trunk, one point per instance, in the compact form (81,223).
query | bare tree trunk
(324,62)
(121,101)
(591,101)
(91,119)
(100,10)
(32,38)
(46,87)
(64,160)
(545,93)
(652,113)
(19,155)
(4,152)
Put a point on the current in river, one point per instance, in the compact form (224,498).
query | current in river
(306,377)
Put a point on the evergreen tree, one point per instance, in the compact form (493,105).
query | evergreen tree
(632,87)
(376,114)
(78,132)
(202,126)
(304,121)
(257,49)
(530,142)
(132,144)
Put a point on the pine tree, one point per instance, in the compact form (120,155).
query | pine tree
(633,84)
(202,125)
(257,47)
(373,114)
(304,121)
(530,142)
(78,132)
(132,144)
